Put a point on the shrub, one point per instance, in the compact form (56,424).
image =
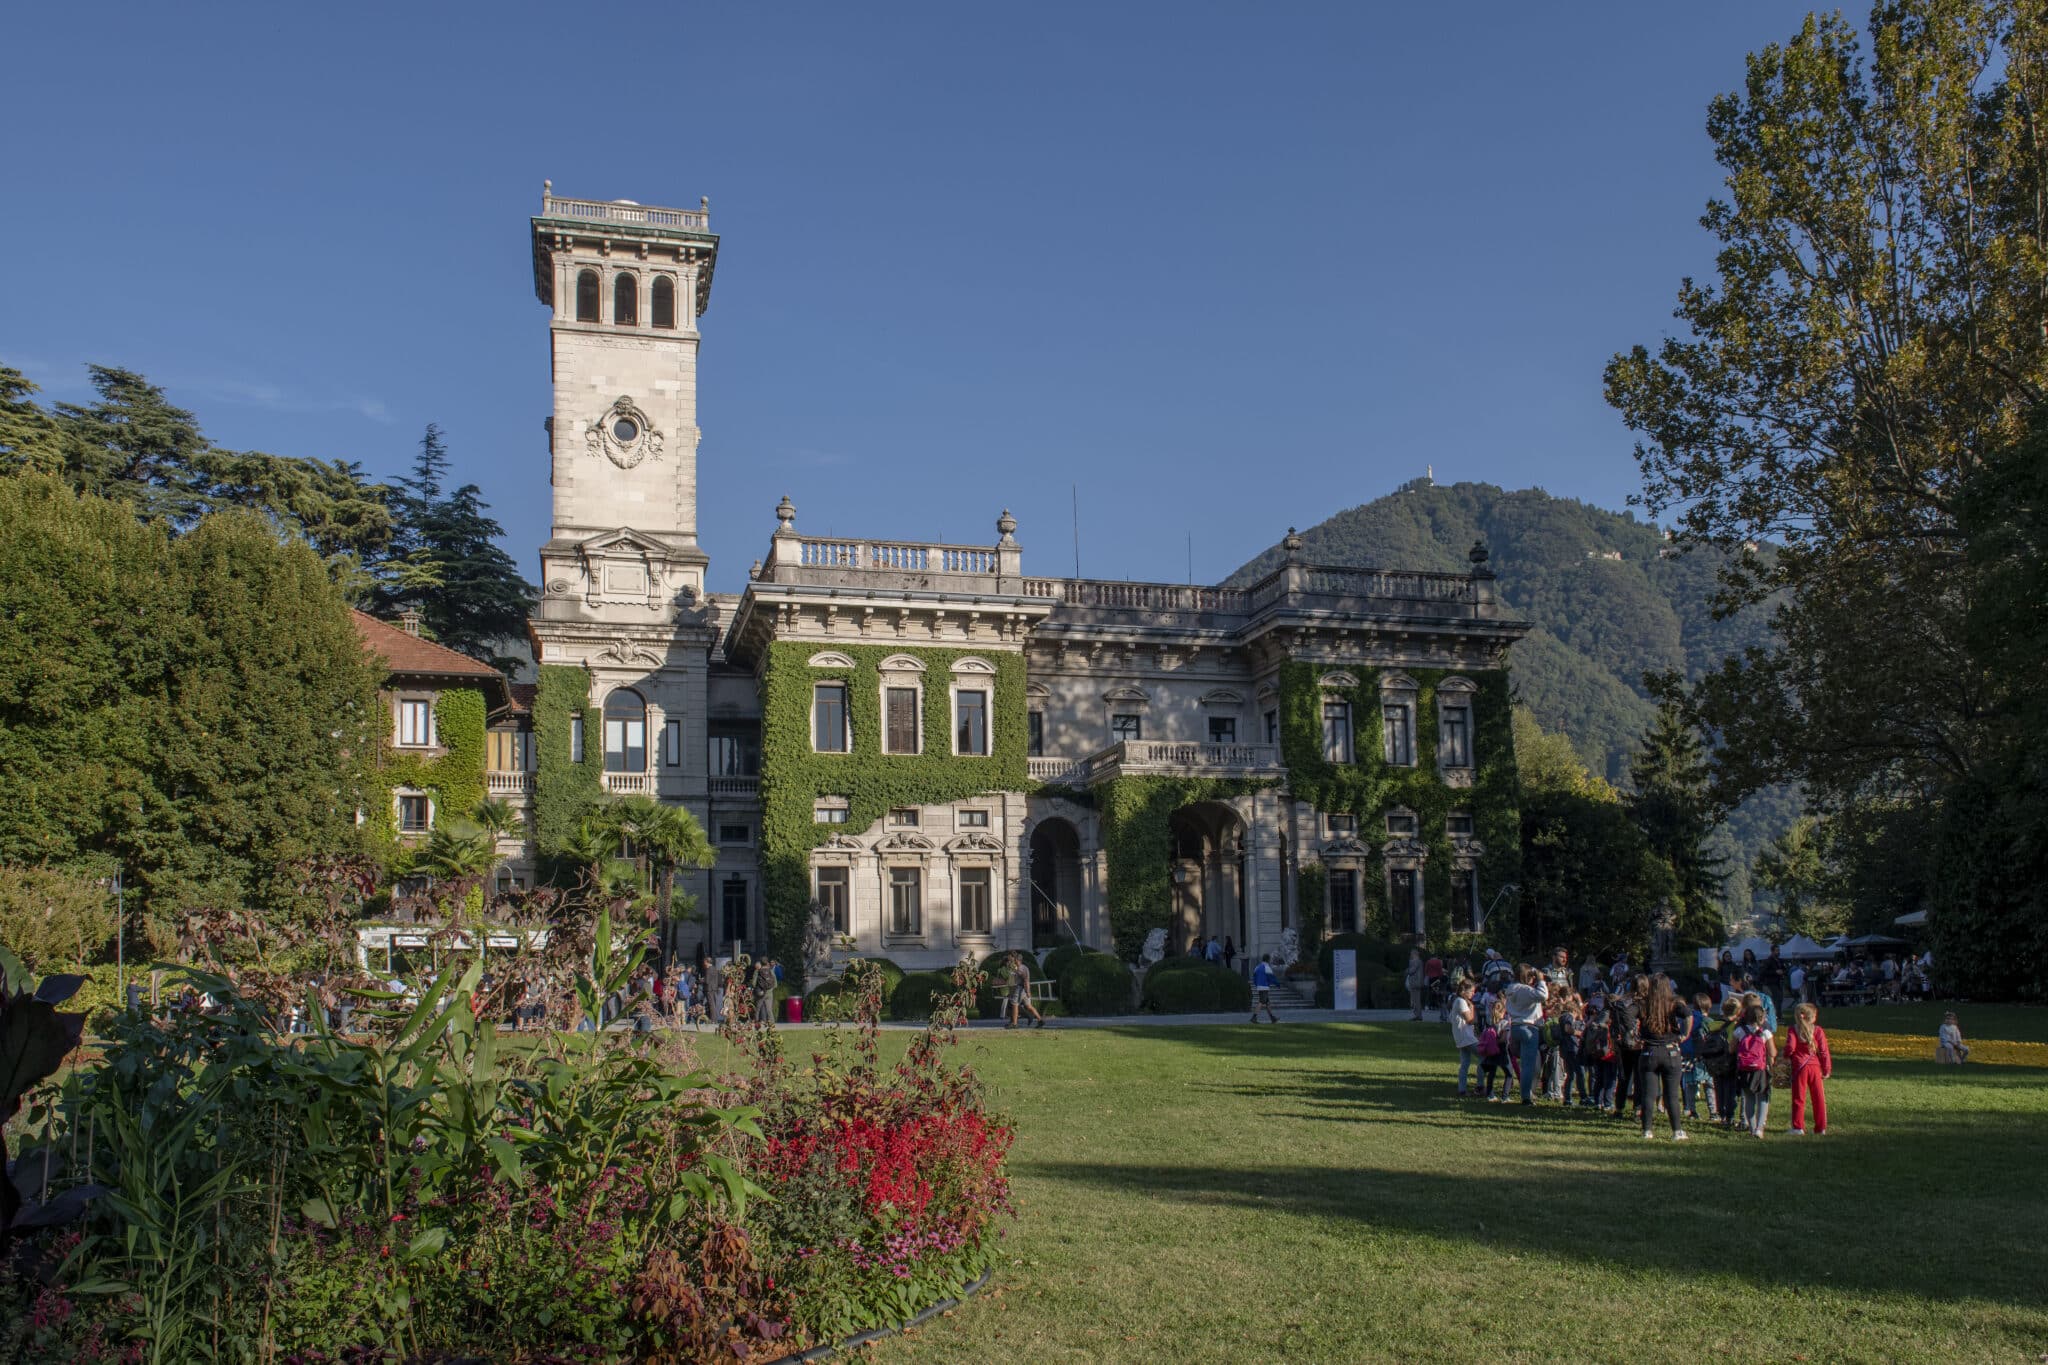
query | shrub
(891,973)
(916,993)
(1202,989)
(49,917)
(1388,991)
(1368,948)
(995,981)
(1056,961)
(1326,995)
(1394,957)
(1096,983)
(1184,963)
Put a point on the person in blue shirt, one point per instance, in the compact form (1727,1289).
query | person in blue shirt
(1262,989)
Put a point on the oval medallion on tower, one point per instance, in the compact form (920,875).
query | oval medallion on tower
(623,435)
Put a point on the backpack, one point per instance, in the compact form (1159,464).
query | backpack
(1749,1050)
(1715,1054)
(1594,1043)
(1489,1042)
(1626,1027)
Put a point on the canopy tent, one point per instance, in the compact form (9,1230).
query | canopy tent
(1916,920)
(1874,941)
(1754,943)
(1802,948)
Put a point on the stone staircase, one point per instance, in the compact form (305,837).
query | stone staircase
(1294,998)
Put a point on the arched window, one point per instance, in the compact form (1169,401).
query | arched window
(663,302)
(626,301)
(586,297)
(625,732)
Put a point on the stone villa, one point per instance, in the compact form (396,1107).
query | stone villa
(944,753)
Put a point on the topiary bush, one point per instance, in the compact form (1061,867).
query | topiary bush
(1368,949)
(1388,992)
(916,994)
(1056,961)
(1096,983)
(1394,957)
(1183,963)
(1202,989)
(821,994)
(892,975)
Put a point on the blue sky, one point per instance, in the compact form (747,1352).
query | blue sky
(1226,268)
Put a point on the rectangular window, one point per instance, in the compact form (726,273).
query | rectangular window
(1458,822)
(1464,902)
(625,744)
(735,834)
(1034,734)
(672,743)
(906,902)
(1400,824)
(904,817)
(1126,727)
(899,720)
(1342,826)
(414,814)
(974,898)
(1337,731)
(511,751)
(1457,737)
(1400,752)
(1343,900)
(734,756)
(732,910)
(830,811)
(1223,729)
(1272,727)
(415,723)
(834,885)
(1404,899)
(828,718)
(575,739)
(973,819)
(970,723)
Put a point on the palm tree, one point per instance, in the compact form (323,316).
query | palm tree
(461,853)
(668,838)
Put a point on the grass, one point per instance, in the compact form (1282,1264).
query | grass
(1314,1192)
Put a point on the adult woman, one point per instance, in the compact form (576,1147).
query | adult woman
(1665,1025)
(1525,1012)
(1625,1035)
(1412,979)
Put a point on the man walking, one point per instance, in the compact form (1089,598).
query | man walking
(1020,994)
(1262,989)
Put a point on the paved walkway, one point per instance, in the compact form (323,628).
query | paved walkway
(1055,1022)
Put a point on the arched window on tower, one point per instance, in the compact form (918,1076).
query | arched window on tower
(662,302)
(625,732)
(626,301)
(586,297)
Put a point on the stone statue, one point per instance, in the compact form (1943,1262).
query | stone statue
(818,938)
(1290,947)
(1154,949)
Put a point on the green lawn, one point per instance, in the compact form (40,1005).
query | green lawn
(1314,1192)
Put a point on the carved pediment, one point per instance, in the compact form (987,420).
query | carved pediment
(1345,846)
(1466,851)
(842,843)
(1405,848)
(904,842)
(975,841)
(1222,696)
(625,540)
(626,654)
(830,658)
(1126,694)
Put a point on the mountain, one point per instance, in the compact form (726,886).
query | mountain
(1609,598)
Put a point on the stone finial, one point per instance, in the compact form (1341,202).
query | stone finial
(547,189)
(1477,554)
(754,574)
(704,203)
(785,515)
(1292,544)
(1006,527)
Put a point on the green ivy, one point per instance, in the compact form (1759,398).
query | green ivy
(1368,788)
(1137,835)
(563,790)
(793,777)
(455,778)
(1311,888)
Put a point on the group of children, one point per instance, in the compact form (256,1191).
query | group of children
(1601,1046)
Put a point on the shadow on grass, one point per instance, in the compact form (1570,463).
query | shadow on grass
(1706,1212)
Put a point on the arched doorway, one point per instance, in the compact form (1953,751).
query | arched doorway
(1208,875)
(1055,883)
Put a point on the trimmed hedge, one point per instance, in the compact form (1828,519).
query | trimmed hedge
(1056,961)
(1394,957)
(1096,983)
(1204,989)
(1387,992)
(917,993)
(1184,963)
(1370,951)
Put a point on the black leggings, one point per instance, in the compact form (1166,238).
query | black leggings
(1659,1059)
(1626,1067)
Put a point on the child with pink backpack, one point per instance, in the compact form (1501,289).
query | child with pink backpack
(1755,1049)
(1492,1049)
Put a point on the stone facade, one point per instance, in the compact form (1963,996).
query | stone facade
(1122,683)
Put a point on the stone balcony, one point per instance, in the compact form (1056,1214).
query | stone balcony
(515,787)
(625,212)
(1160,758)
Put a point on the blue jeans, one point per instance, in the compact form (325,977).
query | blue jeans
(1524,1039)
(1465,1059)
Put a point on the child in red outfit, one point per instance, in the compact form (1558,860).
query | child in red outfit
(1807,1048)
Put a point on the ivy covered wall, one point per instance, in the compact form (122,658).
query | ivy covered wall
(793,777)
(1137,835)
(1369,787)
(563,789)
(454,779)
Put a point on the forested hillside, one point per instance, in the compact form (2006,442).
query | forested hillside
(1610,601)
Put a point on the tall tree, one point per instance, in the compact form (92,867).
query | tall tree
(29,440)
(447,564)
(135,446)
(1797,869)
(1671,804)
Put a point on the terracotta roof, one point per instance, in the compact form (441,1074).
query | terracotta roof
(403,652)
(523,695)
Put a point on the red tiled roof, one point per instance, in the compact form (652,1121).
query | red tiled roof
(523,695)
(404,652)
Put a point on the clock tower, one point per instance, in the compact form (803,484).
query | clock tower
(625,284)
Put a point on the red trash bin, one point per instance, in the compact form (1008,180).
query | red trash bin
(793,1009)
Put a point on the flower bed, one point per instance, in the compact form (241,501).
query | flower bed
(1918,1048)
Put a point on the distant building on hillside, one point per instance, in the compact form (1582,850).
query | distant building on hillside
(944,754)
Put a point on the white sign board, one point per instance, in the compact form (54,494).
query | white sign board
(1344,978)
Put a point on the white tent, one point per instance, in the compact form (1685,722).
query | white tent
(1803,948)
(1914,920)
(1760,946)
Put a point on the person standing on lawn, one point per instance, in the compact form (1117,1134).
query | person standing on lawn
(1262,989)
(1020,994)
(1755,1050)
(1412,979)
(1625,1036)
(1464,1031)
(1559,972)
(1666,1023)
(1525,1015)
(1812,1064)
(764,991)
